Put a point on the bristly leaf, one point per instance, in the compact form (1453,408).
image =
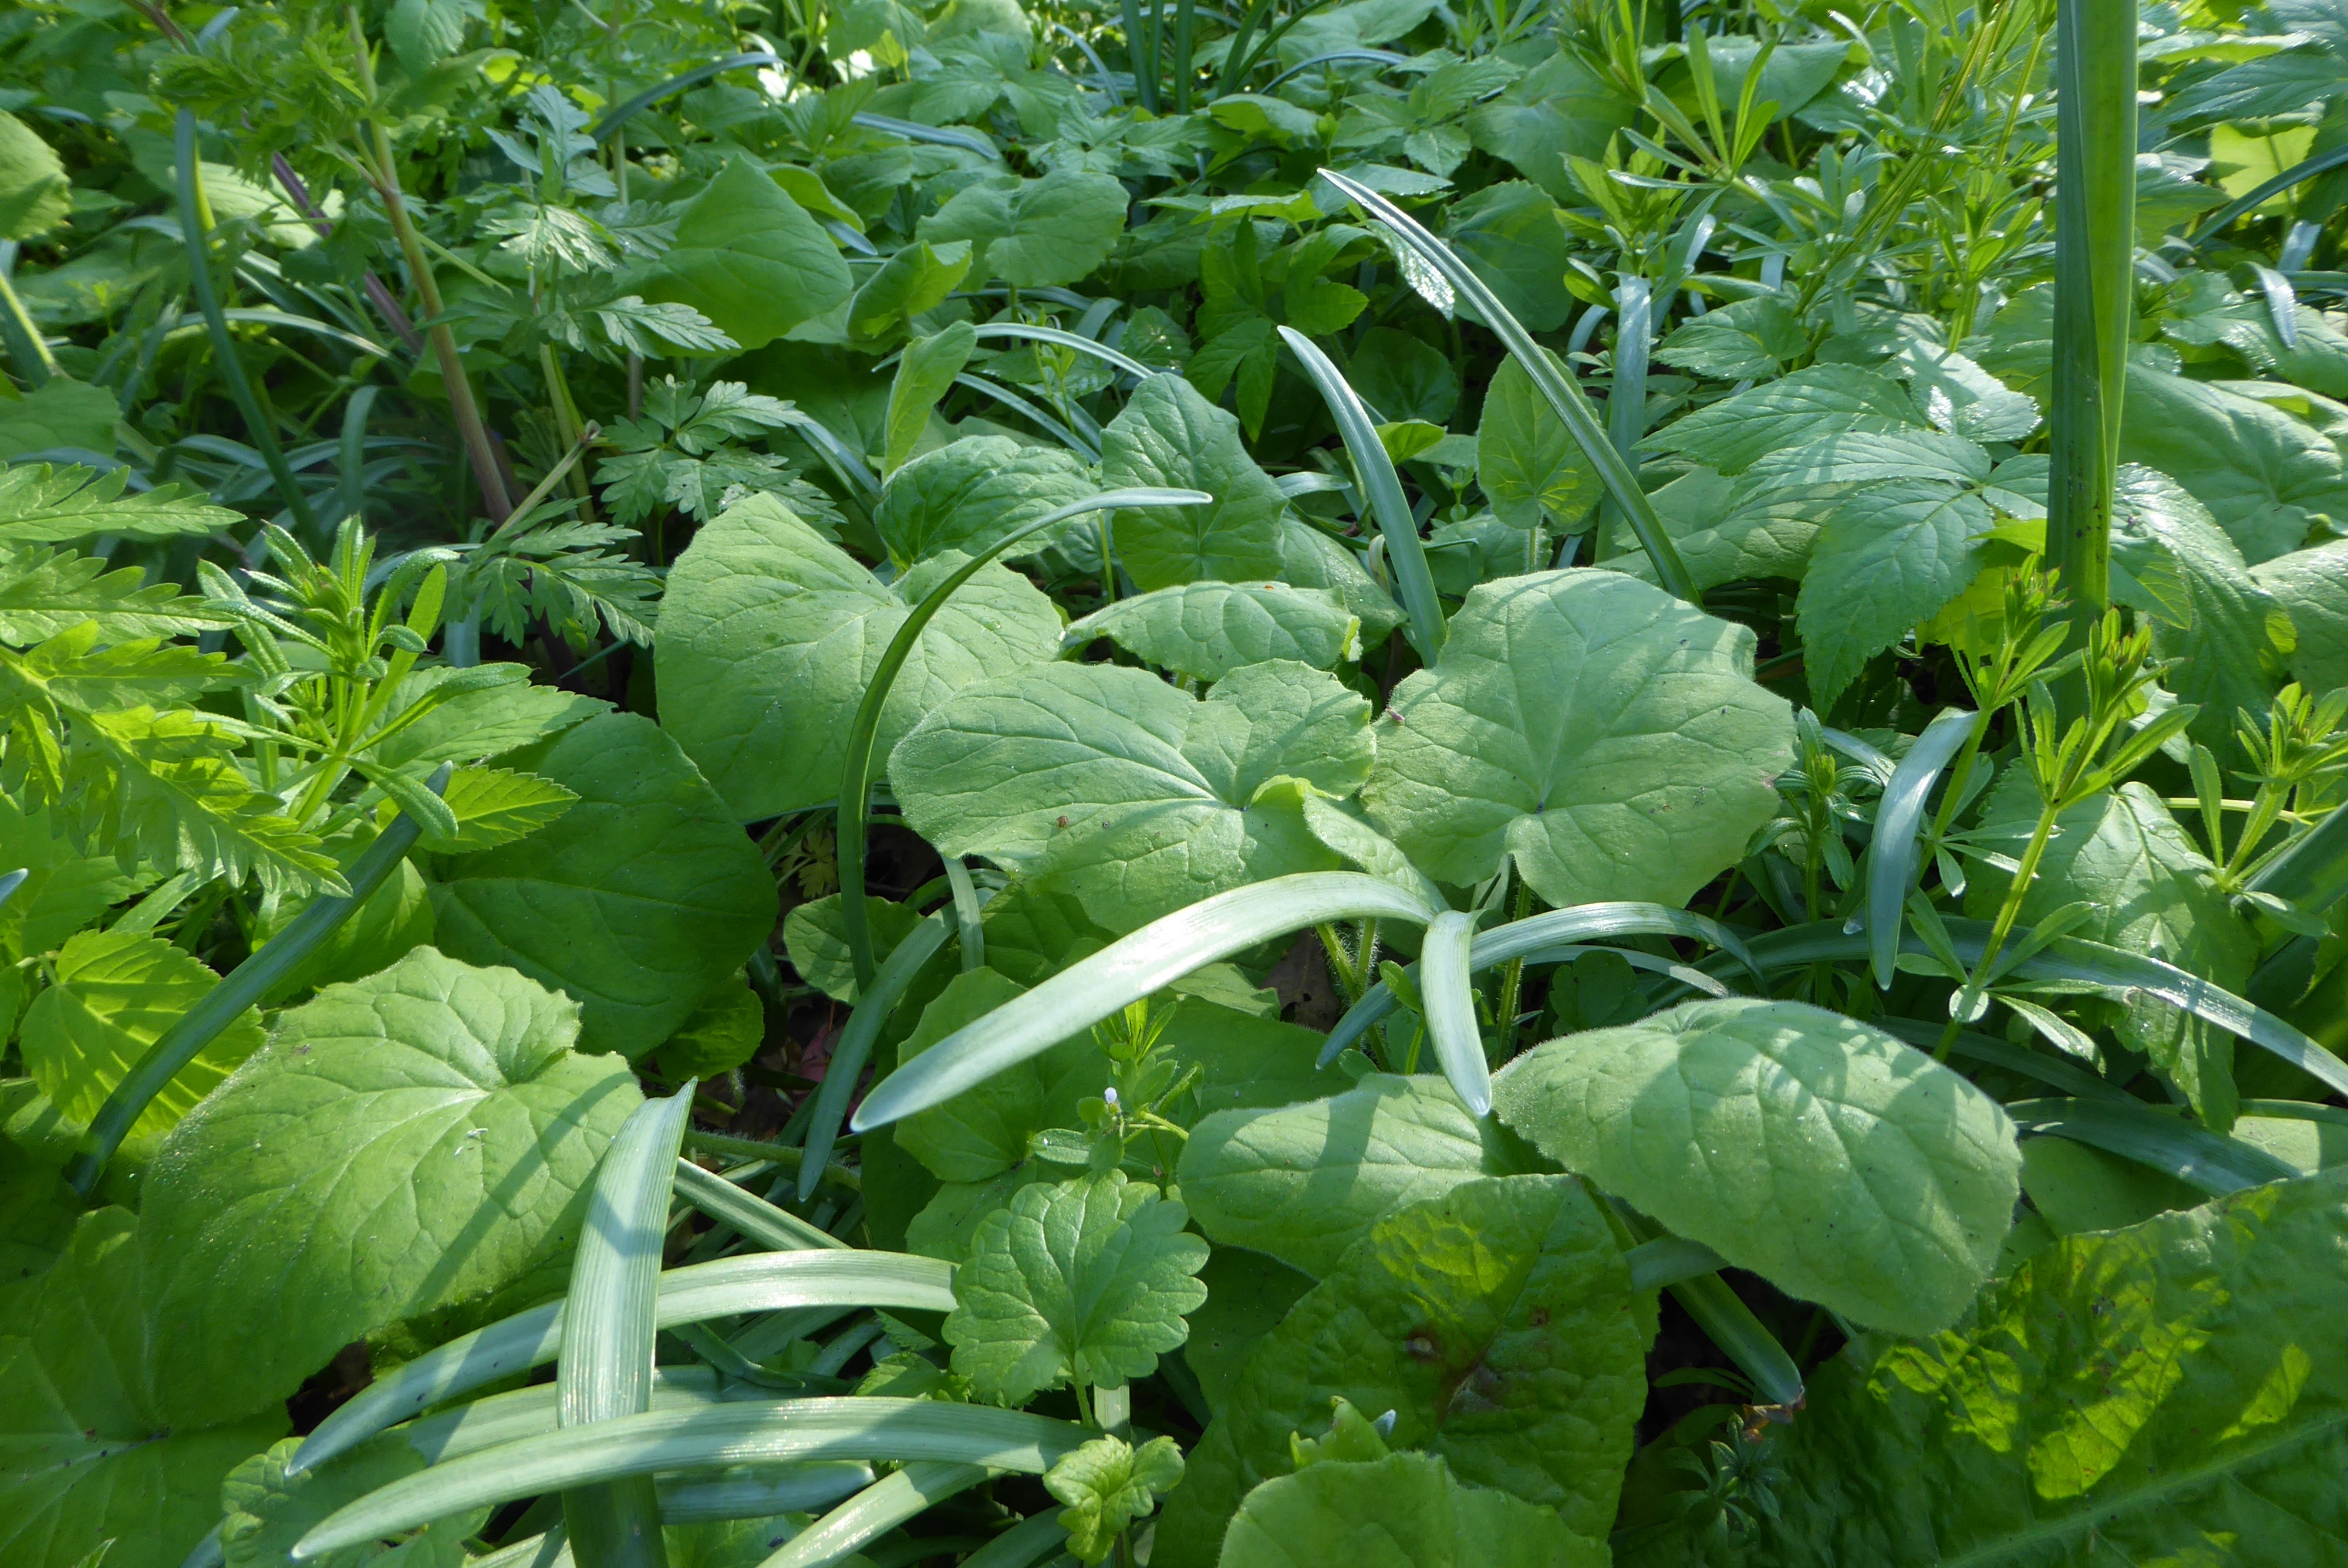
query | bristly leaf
(41,504)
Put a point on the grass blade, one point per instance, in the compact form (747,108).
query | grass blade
(751,1215)
(1567,399)
(2194,1155)
(1126,970)
(2094,281)
(1066,339)
(760,1494)
(1382,489)
(775,1432)
(1025,1543)
(1891,855)
(1669,1260)
(1743,1338)
(855,776)
(854,1047)
(2297,174)
(763,1282)
(605,1369)
(1451,1010)
(882,1507)
(2313,872)
(244,987)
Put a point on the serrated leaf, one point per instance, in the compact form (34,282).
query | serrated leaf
(1108,1485)
(42,505)
(1890,555)
(1843,1166)
(1208,629)
(264,1510)
(45,592)
(2312,586)
(148,672)
(35,192)
(1792,411)
(1087,1280)
(1745,340)
(496,805)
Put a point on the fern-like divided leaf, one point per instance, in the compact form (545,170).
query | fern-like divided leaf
(45,506)
(44,592)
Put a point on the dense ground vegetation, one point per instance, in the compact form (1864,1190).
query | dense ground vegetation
(1266,783)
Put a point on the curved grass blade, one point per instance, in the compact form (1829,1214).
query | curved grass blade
(933,135)
(1338,57)
(1567,399)
(207,1554)
(762,1282)
(1669,1260)
(606,1367)
(2045,1066)
(760,1494)
(855,776)
(1065,339)
(751,1215)
(882,1507)
(777,1431)
(1451,1010)
(1126,970)
(194,237)
(484,1423)
(2313,872)
(2194,1155)
(1553,929)
(1687,975)
(606,127)
(244,986)
(1891,855)
(2250,202)
(854,1048)
(1383,487)
(11,882)
(1743,1338)
(1073,440)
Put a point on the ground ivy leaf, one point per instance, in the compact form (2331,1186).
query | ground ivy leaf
(1890,555)
(1168,436)
(1107,1483)
(1840,1164)
(969,494)
(1525,460)
(747,257)
(1405,1511)
(1142,797)
(88,1452)
(2312,587)
(2129,1396)
(771,634)
(1303,1183)
(1792,411)
(1207,630)
(402,1143)
(1606,734)
(1086,1280)
(637,901)
(1496,1321)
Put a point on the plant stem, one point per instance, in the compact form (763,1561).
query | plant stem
(26,346)
(1513,974)
(2008,911)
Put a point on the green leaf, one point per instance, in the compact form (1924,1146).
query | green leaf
(41,504)
(1836,1162)
(1088,1279)
(1745,340)
(1145,799)
(482,717)
(2262,473)
(1511,233)
(265,1511)
(402,1143)
(1168,435)
(1405,1511)
(92,1449)
(726,1029)
(1208,629)
(62,413)
(1034,233)
(1792,411)
(2133,1396)
(1496,1321)
(1108,1485)
(967,496)
(1527,461)
(496,805)
(925,374)
(637,901)
(1247,1296)
(1312,559)
(1890,555)
(37,1212)
(771,634)
(114,994)
(751,259)
(1562,106)
(815,935)
(1303,1182)
(1607,735)
(986,1130)
(34,191)
(62,892)
(1404,377)
(2147,890)
(918,278)
(2312,586)
(43,594)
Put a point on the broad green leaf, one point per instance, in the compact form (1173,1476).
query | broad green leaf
(44,593)
(1792,411)
(1836,1162)
(1562,106)
(986,1130)
(637,901)
(1723,534)
(725,1029)
(1108,1485)
(1865,456)
(924,375)
(402,1143)
(1891,553)
(1303,1183)
(395,918)
(34,190)
(2261,472)
(1525,460)
(1405,1511)
(1034,233)
(1496,1321)
(265,1511)
(1404,377)
(1143,798)
(750,258)
(93,1445)
(2162,1393)
(114,994)
(771,634)
(815,933)
(62,413)
(41,504)
(2076,1188)
(1088,1279)
(1511,233)
(1168,435)
(476,721)
(37,1212)
(2312,586)
(1309,559)
(1207,630)
(63,892)
(966,496)
(1605,734)
(1745,340)
(423,33)
(918,278)
(2147,890)
(1964,399)
(495,807)
(1247,1296)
